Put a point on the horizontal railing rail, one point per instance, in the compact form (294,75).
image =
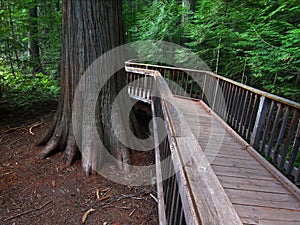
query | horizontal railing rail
(269,123)
(187,193)
(140,86)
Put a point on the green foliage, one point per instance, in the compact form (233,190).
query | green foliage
(155,20)
(24,90)
(258,42)
(158,20)
(271,44)
(130,14)
(19,85)
(50,23)
(254,42)
(206,30)
(14,34)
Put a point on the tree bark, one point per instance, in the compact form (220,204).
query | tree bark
(90,28)
(33,43)
(9,44)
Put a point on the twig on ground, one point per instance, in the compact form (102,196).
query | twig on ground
(118,198)
(35,125)
(85,215)
(106,190)
(98,194)
(4,174)
(26,212)
(130,214)
(114,206)
(103,195)
(9,130)
(104,198)
(152,196)
(22,127)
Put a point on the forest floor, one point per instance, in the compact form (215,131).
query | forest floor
(44,192)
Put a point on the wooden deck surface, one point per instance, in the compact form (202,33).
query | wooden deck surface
(258,196)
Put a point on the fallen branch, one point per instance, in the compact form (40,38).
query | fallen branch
(152,196)
(84,218)
(23,127)
(9,130)
(98,194)
(106,190)
(103,195)
(118,198)
(26,212)
(33,126)
(4,174)
(104,198)
(114,206)
(130,214)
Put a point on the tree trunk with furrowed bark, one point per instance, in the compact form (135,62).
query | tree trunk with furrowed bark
(33,43)
(90,28)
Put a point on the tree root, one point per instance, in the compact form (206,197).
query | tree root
(71,152)
(60,137)
(44,140)
(50,147)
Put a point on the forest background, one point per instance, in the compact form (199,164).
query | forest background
(254,42)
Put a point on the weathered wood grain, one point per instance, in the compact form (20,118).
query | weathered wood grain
(220,177)
(254,191)
(271,214)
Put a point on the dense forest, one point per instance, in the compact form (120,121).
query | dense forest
(253,42)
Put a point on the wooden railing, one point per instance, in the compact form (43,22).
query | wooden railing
(140,86)
(269,123)
(187,193)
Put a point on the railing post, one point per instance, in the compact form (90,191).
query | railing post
(294,152)
(259,122)
(216,93)
(297,179)
(203,89)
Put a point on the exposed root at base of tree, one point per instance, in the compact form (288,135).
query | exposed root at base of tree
(60,139)
(71,152)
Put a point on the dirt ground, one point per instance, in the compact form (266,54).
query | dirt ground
(44,192)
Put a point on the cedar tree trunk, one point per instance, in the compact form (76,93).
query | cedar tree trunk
(34,48)
(90,28)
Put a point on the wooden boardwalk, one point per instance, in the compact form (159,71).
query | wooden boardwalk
(258,194)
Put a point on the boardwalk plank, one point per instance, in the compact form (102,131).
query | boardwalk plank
(251,221)
(210,197)
(263,213)
(240,163)
(264,203)
(256,194)
(252,185)
(242,172)
(224,154)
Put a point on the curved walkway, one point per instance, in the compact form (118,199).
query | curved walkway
(258,192)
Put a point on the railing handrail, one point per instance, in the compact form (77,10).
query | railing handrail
(252,89)
(267,122)
(193,182)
